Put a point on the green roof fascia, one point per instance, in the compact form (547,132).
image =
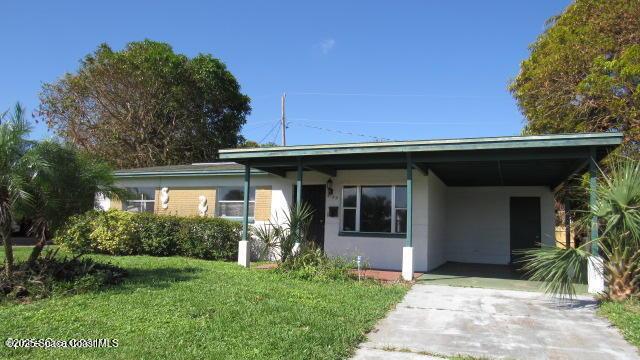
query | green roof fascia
(132,174)
(487,143)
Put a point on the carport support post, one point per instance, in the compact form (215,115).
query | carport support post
(243,246)
(595,268)
(407,250)
(296,246)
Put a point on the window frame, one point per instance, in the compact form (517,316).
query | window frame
(140,201)
(357,231)
(236,218)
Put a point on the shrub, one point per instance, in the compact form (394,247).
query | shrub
(209,238)
(114,232)
(122,233)
(157,234)
(313,264)
(58,275)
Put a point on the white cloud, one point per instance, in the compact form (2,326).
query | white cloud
(326,45)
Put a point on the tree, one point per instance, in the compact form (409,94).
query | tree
(583,73)
(67,186)
(16,170)
(618,209)
(147,106)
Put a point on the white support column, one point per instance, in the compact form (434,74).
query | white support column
(243,253)
(407,263)
(595,268)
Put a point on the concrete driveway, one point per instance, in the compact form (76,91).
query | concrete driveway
(434,322)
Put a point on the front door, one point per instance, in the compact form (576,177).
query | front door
(525,224)
(315,196)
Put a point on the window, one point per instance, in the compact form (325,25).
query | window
(374,209)
(142,201)
(231,201)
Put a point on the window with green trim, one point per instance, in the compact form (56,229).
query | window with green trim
(374,209)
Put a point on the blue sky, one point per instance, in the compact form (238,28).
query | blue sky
(352,70)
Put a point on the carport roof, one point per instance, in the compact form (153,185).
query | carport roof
(513,160)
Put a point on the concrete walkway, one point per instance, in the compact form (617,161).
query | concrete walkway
(434,322)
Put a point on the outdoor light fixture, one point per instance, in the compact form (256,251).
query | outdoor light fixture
(330,187)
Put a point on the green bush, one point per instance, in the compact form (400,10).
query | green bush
(122,233)
(209,238)
(157,234)
(114,233)
(313,264)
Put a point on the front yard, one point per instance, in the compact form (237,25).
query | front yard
(184,308)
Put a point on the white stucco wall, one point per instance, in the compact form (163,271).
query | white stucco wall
(381,253)
(436,222)
(478,222)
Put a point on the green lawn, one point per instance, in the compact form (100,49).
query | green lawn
(626,316)
(177,308)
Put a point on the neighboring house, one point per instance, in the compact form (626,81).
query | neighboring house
(409,205)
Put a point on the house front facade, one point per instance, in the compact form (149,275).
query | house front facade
(409,206)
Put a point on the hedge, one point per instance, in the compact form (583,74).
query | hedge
(123,233)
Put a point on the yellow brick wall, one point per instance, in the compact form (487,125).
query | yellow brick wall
(184,201)
(263,203)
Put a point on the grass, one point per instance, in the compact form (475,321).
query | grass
(183,308)
(625,316)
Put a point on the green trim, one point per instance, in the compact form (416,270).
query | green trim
(371,234)
(593,198)
(245,203)
(409,237)
(122,174)
(491,143)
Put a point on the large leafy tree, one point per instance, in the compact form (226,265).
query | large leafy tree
(583,73)
(147,106)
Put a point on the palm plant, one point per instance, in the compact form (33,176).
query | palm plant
(618,210)
(16,170)
(66,186)
(281,237)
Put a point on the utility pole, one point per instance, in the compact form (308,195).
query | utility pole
(283,121)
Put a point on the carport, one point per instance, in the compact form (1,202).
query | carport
(507,162)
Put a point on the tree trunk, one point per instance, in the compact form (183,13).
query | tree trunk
(41,234)
(8,253)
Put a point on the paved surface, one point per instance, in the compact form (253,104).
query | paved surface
(505,277)
(439,321)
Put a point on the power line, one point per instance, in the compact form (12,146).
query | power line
(435,96)
(388,122)
(275,125)
(377,138)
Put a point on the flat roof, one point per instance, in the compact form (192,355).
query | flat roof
(482,143)
(537,160)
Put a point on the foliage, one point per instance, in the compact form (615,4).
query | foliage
(618,210)
(624,315)
(147,106)
(157,234)
(16,170)
(313,264)
(57,275)
(583,73)
(234,312)
(209,238)
(278,238)
(560,269)
(124,233)
(67,185)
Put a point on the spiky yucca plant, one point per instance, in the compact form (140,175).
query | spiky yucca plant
(618,210)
